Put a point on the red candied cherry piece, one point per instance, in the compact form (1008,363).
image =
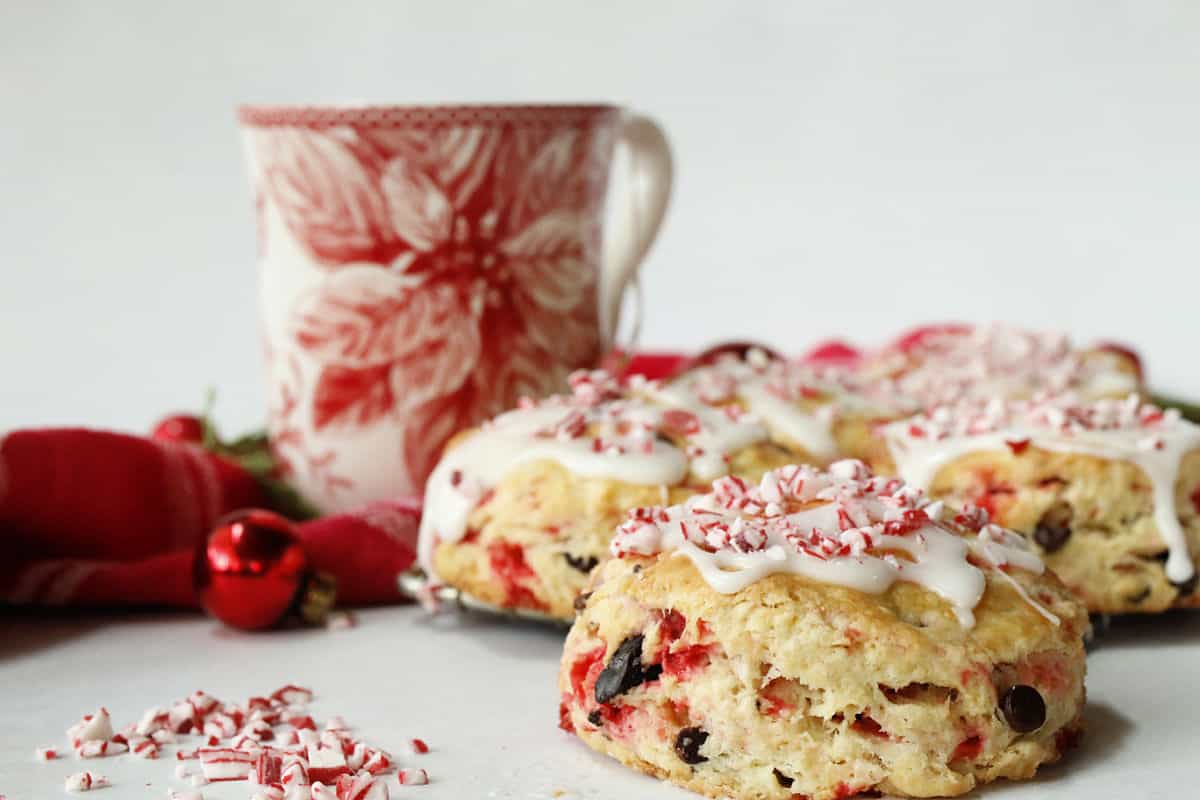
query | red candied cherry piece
(1017,446)
(1195,498)
(685,663)
(968,749)
(769,695)
(834,351)
(673,624)
(564,717)
(992,495)
(867,726)
(844,790)
(509,565)
(584,672)
(618,719)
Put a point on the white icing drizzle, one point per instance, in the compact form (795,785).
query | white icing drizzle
(598,431)
(842,526)
(773,391)
(1126,430)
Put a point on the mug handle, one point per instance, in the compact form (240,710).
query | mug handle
(650,179)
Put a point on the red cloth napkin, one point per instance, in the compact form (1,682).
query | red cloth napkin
(94,518)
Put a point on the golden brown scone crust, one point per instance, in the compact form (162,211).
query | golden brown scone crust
(1112,555)
(828,690)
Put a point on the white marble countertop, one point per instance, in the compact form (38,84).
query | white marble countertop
(482,692)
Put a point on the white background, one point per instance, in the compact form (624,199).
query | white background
(843,168)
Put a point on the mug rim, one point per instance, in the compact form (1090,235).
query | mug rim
(391,116)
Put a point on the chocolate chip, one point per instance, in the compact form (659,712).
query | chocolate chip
(584,564)
(1054,528)
(595,717)
(1187,587)
(688,744)
(1138,597)
(581,601)
(625,671)
(784,780)
(1023,708)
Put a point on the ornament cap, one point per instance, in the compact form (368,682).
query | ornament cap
(317,597)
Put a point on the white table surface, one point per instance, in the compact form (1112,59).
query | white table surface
(482,692)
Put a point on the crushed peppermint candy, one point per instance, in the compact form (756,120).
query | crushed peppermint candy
(94,748)
(226,763)
(85,782)
(273,741)
(1061,414)
(319,791)
(95,727)
(944,364)
(45,754)
(413,777)
(843,525)
(362,786)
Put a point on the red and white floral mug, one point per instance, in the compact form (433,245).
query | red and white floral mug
(422,268)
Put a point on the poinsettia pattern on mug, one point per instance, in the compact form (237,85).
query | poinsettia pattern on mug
(458,269)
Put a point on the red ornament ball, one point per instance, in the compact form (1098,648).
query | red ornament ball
(251,571)
(179,428)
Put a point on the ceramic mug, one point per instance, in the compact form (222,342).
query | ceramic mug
(422,268)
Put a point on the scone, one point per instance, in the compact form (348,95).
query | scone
(1108,492)
(520,511)
(831,405)
(824,635)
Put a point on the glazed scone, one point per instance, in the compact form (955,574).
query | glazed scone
(833,407)
(821,636)
(1108,492)
(520,511)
